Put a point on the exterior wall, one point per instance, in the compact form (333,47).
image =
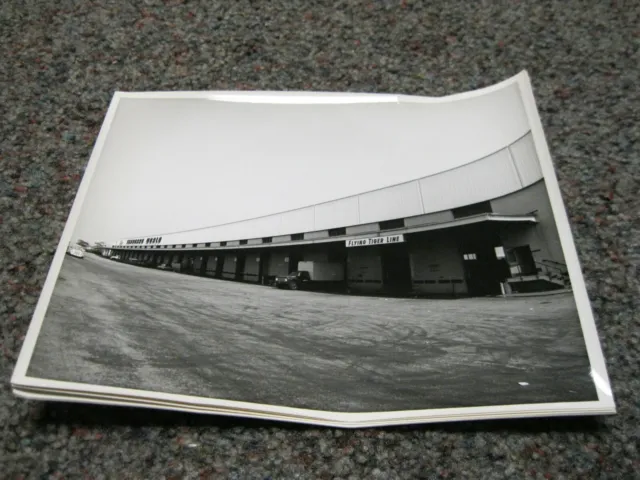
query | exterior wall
(364,269)
(212,263)
(543,237)
(279,263)
(436,265)
(197,263)
(229,266)
(428,218)
(399,201)
(366,228)
(336,214)
(315,256)
(523,154)
(252,267)
(316,235)
(508,170)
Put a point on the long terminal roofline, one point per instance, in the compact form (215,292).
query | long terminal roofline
(329,201)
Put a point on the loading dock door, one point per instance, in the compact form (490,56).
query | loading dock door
(294,257)
(219,266)
(203,265)
(240,261)
(396,267)
(263,268)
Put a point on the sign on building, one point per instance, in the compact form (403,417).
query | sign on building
(367,242)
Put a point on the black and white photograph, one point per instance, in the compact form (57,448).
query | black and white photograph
(341,253)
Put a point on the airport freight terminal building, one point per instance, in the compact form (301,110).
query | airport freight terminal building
(484,228)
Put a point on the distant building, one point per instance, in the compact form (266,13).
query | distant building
(484,228)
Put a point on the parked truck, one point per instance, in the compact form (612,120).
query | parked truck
(313,276)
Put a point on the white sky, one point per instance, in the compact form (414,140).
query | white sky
(170,165)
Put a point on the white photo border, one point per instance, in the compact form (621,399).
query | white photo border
(42,389)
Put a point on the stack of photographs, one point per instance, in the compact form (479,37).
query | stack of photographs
(338,259)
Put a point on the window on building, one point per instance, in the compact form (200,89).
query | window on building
(336,232)
(208,244)
(297,236)
(243,242)
(267,240)
(194,245)
(471,210)
(391,224)
(223,244)
(470,256)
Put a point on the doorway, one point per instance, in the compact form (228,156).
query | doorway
(203,265)
(219,266)
(396,268)
(263,268)
(484,271)
(521,261)
(295,256)
(241,259)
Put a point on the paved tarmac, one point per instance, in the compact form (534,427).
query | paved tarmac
(115,324)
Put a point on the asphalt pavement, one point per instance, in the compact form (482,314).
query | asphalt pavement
(120,325)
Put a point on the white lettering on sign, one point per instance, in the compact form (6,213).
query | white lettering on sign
(366,242)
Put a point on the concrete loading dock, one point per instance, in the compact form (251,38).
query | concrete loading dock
(485,228)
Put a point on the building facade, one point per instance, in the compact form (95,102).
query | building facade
(485,228)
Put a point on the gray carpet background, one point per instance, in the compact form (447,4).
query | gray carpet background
(60,62)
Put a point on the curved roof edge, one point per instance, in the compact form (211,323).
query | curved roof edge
(338,199)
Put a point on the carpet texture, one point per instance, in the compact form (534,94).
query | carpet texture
(62,61)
